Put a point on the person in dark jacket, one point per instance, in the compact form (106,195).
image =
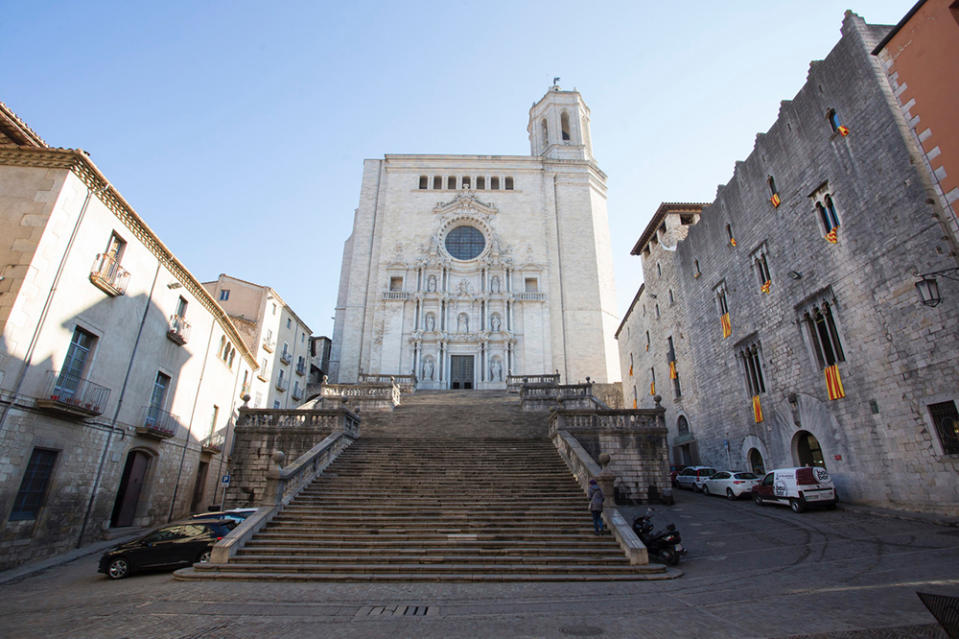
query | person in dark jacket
(596,499)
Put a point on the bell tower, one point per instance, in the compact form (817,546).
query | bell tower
(559,126)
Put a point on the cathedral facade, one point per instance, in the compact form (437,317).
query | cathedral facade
(463,269)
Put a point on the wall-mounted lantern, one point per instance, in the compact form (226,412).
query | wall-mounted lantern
(928,287)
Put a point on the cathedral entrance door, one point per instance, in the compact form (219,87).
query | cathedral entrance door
(461,371)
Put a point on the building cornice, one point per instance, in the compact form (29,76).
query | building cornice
(17,130)
(664,209)
(629,311)
(82,166)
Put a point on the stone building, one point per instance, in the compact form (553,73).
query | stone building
(120,376)
(466,268)
(790,301)
(276,335)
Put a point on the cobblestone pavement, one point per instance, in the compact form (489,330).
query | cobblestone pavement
(751,572)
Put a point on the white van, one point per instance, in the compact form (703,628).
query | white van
(797,487)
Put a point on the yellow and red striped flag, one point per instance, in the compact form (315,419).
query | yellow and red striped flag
(834,382)
(672,370)
(775,199)
(843,130)
(652,388)
(647,348)
(732,241)
(727,325)
(630,370)
(765,287)
(757,409)
(634,404)
(833,236)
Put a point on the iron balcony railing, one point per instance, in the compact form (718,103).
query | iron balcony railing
(396,295)
(108,275)
(179,330)
(157,422)
(282,385)
(73,394)
(297,392)
(286,357)
(214,443)
(301,368)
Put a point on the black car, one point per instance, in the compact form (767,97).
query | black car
(180,543)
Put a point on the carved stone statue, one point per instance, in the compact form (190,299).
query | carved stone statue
(494,284)
(463,323)
(494,323)
(431,284)
(428,368)
(430,322)
(495,370)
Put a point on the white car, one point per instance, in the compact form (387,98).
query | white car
(734,484)
(692,477)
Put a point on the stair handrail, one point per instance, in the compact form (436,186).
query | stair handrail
(584,468)
(286,483)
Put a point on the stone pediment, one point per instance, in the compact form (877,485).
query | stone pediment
(463,202)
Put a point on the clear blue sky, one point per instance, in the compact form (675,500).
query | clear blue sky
(237,129)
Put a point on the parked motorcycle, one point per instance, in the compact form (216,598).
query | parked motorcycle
(663,544)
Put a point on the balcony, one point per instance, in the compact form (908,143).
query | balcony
(286,357)
(269,344)
(301,368)
(214,443)
(179,331)
(282,384)
(107,275)
(157,423)
(297,393)
(73,396)
(529,297)
(396,295)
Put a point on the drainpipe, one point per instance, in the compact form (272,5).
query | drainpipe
(116,413)
(186,443)
(48,303)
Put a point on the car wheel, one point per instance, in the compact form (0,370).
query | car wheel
(204,557)
(705,490)
(729,494)
(758,499)
(798,505)
(118,568)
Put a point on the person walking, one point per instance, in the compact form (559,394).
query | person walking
(596,499)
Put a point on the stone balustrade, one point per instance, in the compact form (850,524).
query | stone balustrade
(370,396)
(544,397)
(514,383)
(407,383)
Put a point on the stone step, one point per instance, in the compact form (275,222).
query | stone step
(427,568)
(191,574)
(430,559)
(397,547)
(299,535)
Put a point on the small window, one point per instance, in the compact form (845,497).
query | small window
(544,131)
(451,182)
(671,299)
(396,283)
(752,368)
(465,182)
(494,183)
(276,403)
(437,182)
(509,184)
(532,285)
(33,487)
(564,125)
(946,420)
(659,270)
(761,268)
(729,234)
(424,182)
(826,213)
(480,183)
(213,418)
(181,307)
(657,311)
(116,247)
(696,265)
(274,309)
(820,327)
(289,322)
(771,181)
(224,294)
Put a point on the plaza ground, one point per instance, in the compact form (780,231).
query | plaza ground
(751,572)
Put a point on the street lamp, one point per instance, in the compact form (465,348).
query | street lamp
(928,287)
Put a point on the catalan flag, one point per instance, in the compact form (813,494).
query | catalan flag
(727,325)
(647,348)
(843,130)
(757,409)
(630,370)
(776,200)
(652,388)
(834,383)
(672,370)
(833,236)
(765,287)
(732,241)
(634,404)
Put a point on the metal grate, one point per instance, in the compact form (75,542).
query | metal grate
(398,610)
(945,609)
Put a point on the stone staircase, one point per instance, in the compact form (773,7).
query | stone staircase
(453,486)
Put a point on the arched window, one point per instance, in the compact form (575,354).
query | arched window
(545,132)
(564,125)
(451,182)
(771,181)
(494,183)
(437,182)
(833,118)
(509,184)
(682,425)
(424,181)
(831,210)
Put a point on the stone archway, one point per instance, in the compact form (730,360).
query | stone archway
(806,450)
(755,460)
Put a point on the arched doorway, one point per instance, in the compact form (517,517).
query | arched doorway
(756,461)
(806,450)
(128,495)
